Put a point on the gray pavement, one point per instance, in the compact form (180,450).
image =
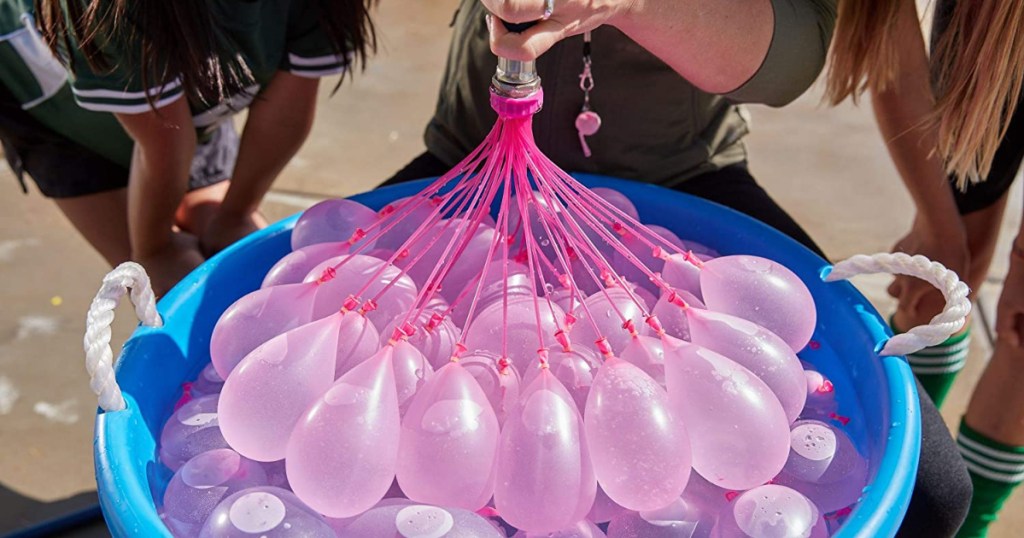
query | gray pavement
(826,166)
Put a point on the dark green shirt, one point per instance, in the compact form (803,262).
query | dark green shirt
(656,126)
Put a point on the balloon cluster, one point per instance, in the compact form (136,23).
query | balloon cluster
(510,352)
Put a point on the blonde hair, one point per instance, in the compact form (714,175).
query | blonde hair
(977,68)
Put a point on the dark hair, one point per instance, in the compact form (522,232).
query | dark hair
(165,38)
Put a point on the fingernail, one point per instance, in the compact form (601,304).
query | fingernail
(490,21)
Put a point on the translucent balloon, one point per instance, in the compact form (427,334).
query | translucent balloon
(574,368)
(357,340)
(411,520)
(519,329)
(208,382)
(677,520)
(196,489)
(619,200)
(667,235)
(341,455)
(762,291)
(821,397)
(448,442)
(256,318)
(582,529)
(756,349)
(294,267)
(401,218)
(648,354)
(352,276)
(639,445)
(273,386)
(265,512)
(605,509)
(191,430)
(411,371)
(682,274)
(743,438)
(608,309)
(824,465)
(494,286)
(673,316)
(771,511)
(434,336)
(433,245)
(638,251)
(545,481)
(332,221)
(500,385)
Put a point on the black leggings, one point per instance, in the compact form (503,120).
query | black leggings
(942,491)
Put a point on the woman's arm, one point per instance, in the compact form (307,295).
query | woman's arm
(766,51)
(901,112)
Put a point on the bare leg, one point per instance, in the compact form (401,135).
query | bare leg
(102,219)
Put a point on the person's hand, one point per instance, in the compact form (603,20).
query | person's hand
(568,18)
(918,300)
(1010,309)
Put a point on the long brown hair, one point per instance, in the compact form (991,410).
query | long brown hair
(977,66)
(163,39)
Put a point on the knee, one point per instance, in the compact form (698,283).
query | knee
(941,498)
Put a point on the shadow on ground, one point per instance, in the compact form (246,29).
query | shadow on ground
(74,517)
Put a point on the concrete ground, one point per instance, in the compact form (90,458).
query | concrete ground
(826,166)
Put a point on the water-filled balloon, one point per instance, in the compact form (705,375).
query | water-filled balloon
(545,481)
(638,444)
(771,511)
(341,455)
(265,511)
(193,429)
(332,221)
(196,489)
(352,274)
(449,442)
(741,434)
(762,291)
(272,387)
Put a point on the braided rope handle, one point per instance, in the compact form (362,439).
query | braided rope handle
(99,358)
(942,326)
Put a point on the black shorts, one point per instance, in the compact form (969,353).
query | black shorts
(1005,167)
(61,168)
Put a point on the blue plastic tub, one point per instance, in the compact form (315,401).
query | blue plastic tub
(878,392)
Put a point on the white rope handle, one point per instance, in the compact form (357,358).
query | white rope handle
(99,359)
(942,326)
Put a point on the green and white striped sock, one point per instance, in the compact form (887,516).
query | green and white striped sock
(996,469)
(936,367)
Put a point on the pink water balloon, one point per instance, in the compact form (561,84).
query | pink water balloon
(824,465)
(648,354)
(575,369)
(265,512)
(511,279)
(401,218)
(272,387)
(436,249)
(681,272)
(678,519)
(821,401)
(545,481)
(208,382)
(755,348)
(762,291)
(193,429)
(639,445)
(519,328)
(411,371)
(342,454)
(743,438)
(413,520)
(332,221)
(607,309)
(771,511)
(357,340)
(672,315)
(356,272)
(500,382)
(256,318)
(448,442)
(294,267)
(619,200)
(196,489)
(434,335)
(582,529)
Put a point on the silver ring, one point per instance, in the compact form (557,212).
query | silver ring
(549,8)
